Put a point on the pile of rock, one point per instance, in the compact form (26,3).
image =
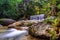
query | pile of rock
(40,30)
(37,29)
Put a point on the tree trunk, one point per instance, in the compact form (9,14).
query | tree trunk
(53,10)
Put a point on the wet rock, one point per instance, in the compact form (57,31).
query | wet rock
(6,22)
(1,25)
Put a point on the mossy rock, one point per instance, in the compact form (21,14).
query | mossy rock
(27,24)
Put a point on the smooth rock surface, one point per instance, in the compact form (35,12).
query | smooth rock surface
(6,21)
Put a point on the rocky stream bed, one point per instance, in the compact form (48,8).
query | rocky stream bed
(38,30)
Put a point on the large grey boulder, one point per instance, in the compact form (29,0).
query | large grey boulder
(1,25)
(6,21)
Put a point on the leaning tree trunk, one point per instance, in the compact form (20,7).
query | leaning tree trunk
(53,10)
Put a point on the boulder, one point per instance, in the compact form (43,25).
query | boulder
(6,22)
(1,25)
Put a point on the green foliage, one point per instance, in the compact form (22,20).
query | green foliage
(49,20)
(52,22)
(12,9)
(53,1)
(8,8)
(58,6)
(52,33)
(35,7)
(55,21)
(27,24)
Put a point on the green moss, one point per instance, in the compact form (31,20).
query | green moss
(27,24)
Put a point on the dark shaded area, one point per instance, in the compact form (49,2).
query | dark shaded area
(42,37)
(58,38)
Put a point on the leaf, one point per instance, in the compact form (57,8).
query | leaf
(53,1)
(58,6)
